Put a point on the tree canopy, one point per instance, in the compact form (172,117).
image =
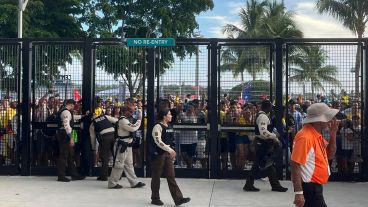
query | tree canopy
(309,65)
(259,19)
(145,19)
(105,18)
(354,15)
(42,18)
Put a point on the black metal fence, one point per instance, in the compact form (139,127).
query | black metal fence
(212,86)
(10,93)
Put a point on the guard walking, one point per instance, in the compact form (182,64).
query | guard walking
(66,142)
(102,128)
(162,157)
(122,153)
(265,143)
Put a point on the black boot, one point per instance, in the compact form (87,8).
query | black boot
(250,188)
(157,202)
(279,189)
(63,179)
(182,201)
(100,178)
(139,185)
(78,177)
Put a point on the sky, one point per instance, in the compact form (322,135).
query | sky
(312,23)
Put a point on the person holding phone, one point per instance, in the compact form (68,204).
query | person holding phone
(311,152)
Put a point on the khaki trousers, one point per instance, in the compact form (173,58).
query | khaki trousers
(123,163)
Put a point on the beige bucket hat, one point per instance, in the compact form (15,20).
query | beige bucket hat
(319,112)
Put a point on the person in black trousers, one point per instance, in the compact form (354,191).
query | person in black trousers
(265,143)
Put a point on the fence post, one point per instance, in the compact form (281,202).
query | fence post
(26,107)
(365,105)
(87,93)
(212,112)
(150,66)
(278,100)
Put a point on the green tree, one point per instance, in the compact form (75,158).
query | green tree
(260,19)
(354,16)
(279,22)
(145,19)
(309,65)
(8,18)
(42,18)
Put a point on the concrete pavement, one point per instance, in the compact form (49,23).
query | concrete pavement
(17,191)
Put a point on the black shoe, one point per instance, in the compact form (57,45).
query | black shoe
(181,201)
(250,188)
(139,185)
(157,202)
(99,178)
(78,177)
(279,189)
(117,186)
(63,179)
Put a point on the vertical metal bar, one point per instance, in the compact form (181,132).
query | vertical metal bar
(144,109)
(150,94)
(213,109)
(87,92)
(19,98)
(271,50)
(365,137)
(288,174)
(26,103)
(278,109)
(157,74)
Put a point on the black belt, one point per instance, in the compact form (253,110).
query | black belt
(124,137)
(124,146)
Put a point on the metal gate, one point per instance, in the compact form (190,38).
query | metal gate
(245,78)
(120,80)
(182,85)
(194,76)
(332,73)
(57,71)
(10,97)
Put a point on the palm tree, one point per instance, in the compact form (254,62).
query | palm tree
(354,15)
(253,59)
(308,65)
(260,19)
(278,22)
(251,21)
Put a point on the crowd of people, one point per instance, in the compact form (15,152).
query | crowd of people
(8,131)
(117,133)
(192,145)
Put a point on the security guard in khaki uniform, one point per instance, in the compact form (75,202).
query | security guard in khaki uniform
(66,142)
(103,127)
(123,156)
